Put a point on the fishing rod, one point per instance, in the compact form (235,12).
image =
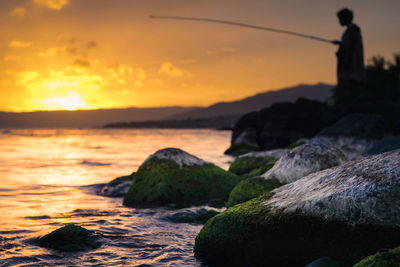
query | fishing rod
(316,38)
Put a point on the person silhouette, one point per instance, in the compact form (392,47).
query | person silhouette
(350,57)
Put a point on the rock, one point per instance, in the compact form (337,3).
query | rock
(345,213)
(118,187)
(303,160)
(257,164)
(274,153)
(387,143)
(173,177)
(250,188)
(281,124)
(384,258)
(364,126)
(353,148)
(197,216)
(298,143)
(324,262)
(70,238)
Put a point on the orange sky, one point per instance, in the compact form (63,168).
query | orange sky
(87,54)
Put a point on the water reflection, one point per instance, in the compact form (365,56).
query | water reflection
(42,173)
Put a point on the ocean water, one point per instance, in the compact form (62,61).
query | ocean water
(49,178)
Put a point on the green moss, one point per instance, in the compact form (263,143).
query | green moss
(160,182)
(296,144)
(244,165)
(387,258)
(68,238)
(251,188)
(237,150)
(249,234)
(121,179)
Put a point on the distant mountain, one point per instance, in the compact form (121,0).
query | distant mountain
(318,91)
(220,115)
(219,122)
(85,118)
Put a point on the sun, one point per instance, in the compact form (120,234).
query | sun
(72,101)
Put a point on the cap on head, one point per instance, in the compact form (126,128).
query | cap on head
(345,16)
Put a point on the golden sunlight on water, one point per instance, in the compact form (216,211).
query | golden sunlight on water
(47,181)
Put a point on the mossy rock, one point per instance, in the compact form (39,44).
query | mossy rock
(251,188)
(121,179)
(70,238)
(174,177)
(296,144)
(386,258)
(237,150)
(250,234)
(118,187)
(244,165)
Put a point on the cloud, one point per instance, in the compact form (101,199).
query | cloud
(20,44)
(28,77)
(124,74)
(83,63)
(18,12)
(66,38)
(52,4)
(91,44)
(169,69)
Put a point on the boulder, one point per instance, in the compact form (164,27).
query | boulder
(387,143)
(250,188)
(173,177)
(384,258)
(345,213)
(361,126)
(353,148)
(195,216)
(281,125)
(303,160)
(274,153)
(70,238)
(255,163)
(118,187)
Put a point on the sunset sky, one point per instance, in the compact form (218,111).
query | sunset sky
(89,54)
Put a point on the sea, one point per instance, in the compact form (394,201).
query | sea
(50,177)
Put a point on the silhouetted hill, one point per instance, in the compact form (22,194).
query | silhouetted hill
(85,118)
(318,91)
(221,115)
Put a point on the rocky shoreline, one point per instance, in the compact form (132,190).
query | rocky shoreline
(329,194)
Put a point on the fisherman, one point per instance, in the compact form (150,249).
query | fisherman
(350,59)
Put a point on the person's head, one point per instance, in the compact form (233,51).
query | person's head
(345,16)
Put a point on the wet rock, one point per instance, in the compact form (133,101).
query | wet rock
(173,177)
(364,126)
(346,213)
(324,262)
(353,148)
(250,188)
(281,125)
(254,163)
(198,216)
(274,153)
(118,187)
(384,258)
(387,143)
(303,160)
(70,238)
